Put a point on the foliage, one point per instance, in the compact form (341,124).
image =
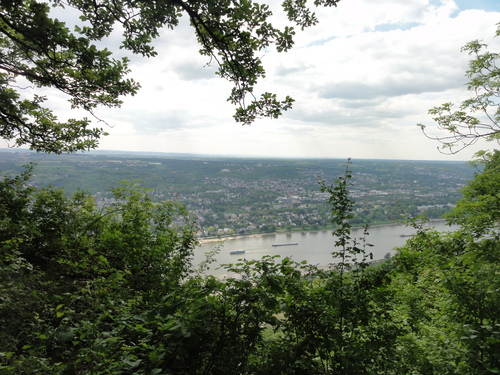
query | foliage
(112,290)
(342,215)
(39,51)
(479,116)
(77,279)
(328,319)
(446,303)
(479,209)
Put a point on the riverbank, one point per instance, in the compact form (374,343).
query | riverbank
(260,235)
(315,247)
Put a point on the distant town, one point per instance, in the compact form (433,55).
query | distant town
(230,196)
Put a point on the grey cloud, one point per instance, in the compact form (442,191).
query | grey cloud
(359,103)
(193,70)
(336,117)
(353,90)
(371,108)
(283,71)
(356,113)
(149,122)
(158,122)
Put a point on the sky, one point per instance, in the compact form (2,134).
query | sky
(362,79)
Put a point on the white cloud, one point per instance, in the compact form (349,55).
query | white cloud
(362,79)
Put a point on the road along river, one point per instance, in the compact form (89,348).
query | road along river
(313,247)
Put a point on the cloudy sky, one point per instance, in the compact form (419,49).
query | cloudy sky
(362,79)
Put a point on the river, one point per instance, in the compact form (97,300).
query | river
(313,247)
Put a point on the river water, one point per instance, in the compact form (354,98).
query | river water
(313,247)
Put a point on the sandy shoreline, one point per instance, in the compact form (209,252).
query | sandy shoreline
(229,238)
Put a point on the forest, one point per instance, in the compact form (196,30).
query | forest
(113,290)
(88,288)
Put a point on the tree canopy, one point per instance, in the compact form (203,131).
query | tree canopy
(479,209)
(112,290)
(479,116)
(39,51)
